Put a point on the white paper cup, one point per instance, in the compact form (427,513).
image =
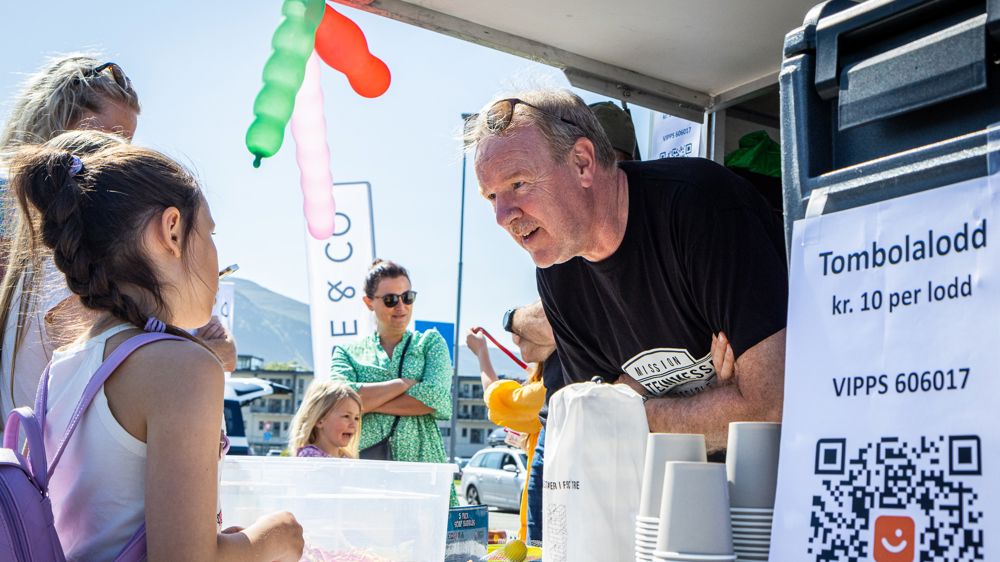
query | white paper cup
(752,524)
(752,463)
(663,556)
(752,510)
(744,531)
(694,513)
(660,449)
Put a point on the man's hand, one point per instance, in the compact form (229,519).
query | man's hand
(756,393)
(532,352)
(530,323)
(722,358)
(220,341)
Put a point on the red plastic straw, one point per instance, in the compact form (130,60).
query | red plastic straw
(513,357)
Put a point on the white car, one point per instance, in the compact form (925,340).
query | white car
(240,392)
(495,476)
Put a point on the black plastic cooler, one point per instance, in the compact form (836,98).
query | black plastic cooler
(886,98)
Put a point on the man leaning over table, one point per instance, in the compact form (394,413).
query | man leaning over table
(670,272)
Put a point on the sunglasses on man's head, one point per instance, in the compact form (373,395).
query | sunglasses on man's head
(501,113)
(116,72)
(390,300)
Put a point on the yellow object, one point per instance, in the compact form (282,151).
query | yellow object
(516,551)
(515,406)
(532,553)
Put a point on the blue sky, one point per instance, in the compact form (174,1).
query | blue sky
(197,67)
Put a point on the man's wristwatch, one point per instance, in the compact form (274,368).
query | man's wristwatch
(508,320)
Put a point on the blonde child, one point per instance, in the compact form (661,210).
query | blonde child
(328,423)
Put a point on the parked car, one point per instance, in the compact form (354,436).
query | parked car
(240,393)
(461,462)
(496,437)
(495,476)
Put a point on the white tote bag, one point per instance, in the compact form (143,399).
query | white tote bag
(595,443)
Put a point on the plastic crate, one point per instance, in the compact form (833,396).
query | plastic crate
(388,510)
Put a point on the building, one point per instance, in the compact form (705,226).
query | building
(268,420)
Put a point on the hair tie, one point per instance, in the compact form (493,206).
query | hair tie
(154,324)
(75,166)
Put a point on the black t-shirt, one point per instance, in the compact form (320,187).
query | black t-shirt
(702,253)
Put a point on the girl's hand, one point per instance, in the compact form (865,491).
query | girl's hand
(286,532)
(475,342)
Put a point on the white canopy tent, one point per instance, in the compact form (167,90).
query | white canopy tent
(693,59)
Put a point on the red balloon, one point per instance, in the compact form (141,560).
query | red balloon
(342,45)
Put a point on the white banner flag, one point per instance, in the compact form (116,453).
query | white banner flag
(671,137)
(225,303)
(337,269)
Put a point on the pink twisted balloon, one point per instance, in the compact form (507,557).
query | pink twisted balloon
(313,154)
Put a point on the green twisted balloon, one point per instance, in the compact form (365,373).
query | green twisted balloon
(292,43)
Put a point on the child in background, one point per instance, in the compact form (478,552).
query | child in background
(512,404)
(328,423)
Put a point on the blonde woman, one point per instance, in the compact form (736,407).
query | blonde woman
(70,93)
(38,312)
(328,423)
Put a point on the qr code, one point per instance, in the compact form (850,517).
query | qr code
(894,501)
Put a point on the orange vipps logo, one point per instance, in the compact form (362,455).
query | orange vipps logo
(895,538)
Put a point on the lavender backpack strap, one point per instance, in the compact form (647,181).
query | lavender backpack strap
(24,417)
(42,397)
(135,548)
(103,372)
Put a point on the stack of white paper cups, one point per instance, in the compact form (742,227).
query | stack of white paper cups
(694,515)
(752,471)
(660,448)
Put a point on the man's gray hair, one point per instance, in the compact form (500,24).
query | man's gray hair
(556,105)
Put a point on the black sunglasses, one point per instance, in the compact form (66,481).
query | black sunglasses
(390,300)
(117,74)
(501,113)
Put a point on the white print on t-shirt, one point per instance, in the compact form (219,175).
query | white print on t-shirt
(666,370)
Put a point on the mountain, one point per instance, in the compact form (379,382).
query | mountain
(270,325)
(276,328)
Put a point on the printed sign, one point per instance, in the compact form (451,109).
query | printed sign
(225,302)
(467,533)
(888,449)
(672,371)
(337,269)
(671,137)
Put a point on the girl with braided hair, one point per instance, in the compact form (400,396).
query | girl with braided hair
(132,233)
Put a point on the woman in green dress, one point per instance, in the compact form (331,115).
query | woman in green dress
(400,374)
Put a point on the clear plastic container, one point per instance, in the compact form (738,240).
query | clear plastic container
(394,511)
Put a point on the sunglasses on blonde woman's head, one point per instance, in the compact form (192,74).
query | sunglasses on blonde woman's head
(116,73)
(501,113)
(390,300)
